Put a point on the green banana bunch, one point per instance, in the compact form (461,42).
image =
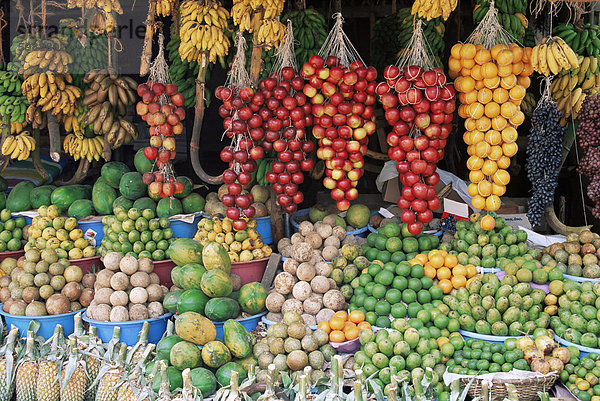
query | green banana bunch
(92,56)
(310,32)
(12,101)
(585,42)
(184,74)
(511,15)
(263,167)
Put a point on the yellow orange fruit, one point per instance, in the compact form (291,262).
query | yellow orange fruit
(470,97)
(492,109)
(501,177)
(484,188)
(518,118)
(483,124)
(497,49)
(498,190)
(517,92)
(492,203)
(508,110)
(493,137)
(455,50)
(458,281)
(504,57)
(499,122)
(489,167)
(474,163)
(483,56)
(492,82)
(487,223)
(472,189)
(454,64)
(467,84)
(482,149)
(475,176)
(462,111)
(468,51)
(476,73)
(476,110)
(508,81)
(509,134)
(466,72)
(500,95)
(484,96)
(495,153)
(504,162)
(477,136)
(517,68)
(509,149)
(478,202)
(504,70)
(489,70)
(443,273)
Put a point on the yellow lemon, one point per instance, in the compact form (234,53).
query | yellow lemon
(475,176)
(503,162)
(493,137)
(498,190)
(474,163)
(484,187)
(472,189)
(492,109)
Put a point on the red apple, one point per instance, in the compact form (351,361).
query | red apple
(422,121)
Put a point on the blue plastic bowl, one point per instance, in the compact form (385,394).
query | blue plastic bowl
(28,221)
(491,339)
(47,323)
(361,232)
(182,229)
(581,279)
(93,225)
(249,324)
(263,226)
(583,351)
(130,330)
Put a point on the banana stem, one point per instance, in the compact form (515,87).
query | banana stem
(37,160)
(147,49)
(256,61)
(197,130)
(54,135)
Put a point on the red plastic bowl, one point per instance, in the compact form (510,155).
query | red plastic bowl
(88,265)
(250,271)
(163,269)
(11,254)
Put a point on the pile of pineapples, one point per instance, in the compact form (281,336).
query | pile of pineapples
(82,368)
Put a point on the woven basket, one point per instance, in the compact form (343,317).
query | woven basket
(526,388)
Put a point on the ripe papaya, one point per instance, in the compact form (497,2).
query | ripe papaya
(252,298)
(214,256)
(185,250)
(195,328)
(216,283)
(185,355)
(215,354)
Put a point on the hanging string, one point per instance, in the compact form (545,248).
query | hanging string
(337,44)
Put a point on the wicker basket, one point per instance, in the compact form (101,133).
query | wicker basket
(526,388)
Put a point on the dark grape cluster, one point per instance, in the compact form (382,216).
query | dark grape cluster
(588,137)
(544,153)
(448,224)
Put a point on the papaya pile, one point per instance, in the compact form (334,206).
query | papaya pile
(210,366)
(242,245)
(203,284)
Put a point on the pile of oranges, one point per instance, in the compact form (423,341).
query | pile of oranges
(344,327)
(491,85)
(443,266)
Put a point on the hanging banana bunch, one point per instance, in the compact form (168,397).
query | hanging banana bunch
(12,102)
(251,15)
(202,29)
(81,147)
(164,8)
(52,92)
(18,146)
(107,99)
(553,56)
(93,55)
(103,19)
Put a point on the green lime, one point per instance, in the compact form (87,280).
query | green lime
(371,254)
(409,296)
(423,296)
(371,316)
(383,308)
(374,269)
(384,256)
(417,271)
(426,282)
(384,277)
(380,242)
(379,291)
(398,310)
(415,284)
(436,292)
(370,303)
(383,321)
(398,257)
(393,296)
(441,321)
(400,283)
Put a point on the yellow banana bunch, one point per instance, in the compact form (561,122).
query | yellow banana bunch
(271,33)
(16,127)
(46,60)
(202,31)
(18,146)
(104,5)
(52,92)
(103,19)
(430,9)
(164,8)
(273,8)
(553,56)
(570,87)
(107,99)
(35,116)
(242,15)
(81,147)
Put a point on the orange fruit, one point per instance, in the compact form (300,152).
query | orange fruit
(498,190)
(504,70)
(478,202)
(500,95)
(443,273)
(517,119)
(489,167)
(495,153)
(484,188)
(324,325)
(469,124)
(483,124)
(517,92)
(504,162)
(482,149)
(508,81)
(527,71)
(493,137)
(341,314)
(462,111)
(504,57)
(476,73)
(492,109)
(476,110)
(508,110)
(471,270)
(509,149)
(357,316)
(489,70)
(482,56)
(450,261)
(517,68)
(429,271)
(474,163)
(445,285)
(421,259)
(467,63)
(499,123)
(459,270)
(351,333)
(364,325)
(455,50)
(484,96)
(336,323)
(517,52)
(492,203)
(337,336)
(458,281)
(467,138)
(465,72)
(468,51)
(477,136)
(475,176)
(527,54)
(487,223)
(501,177)
(436,261)
(467,84)
(492,83)
(497,49)
(469,97)
(349,325)
(454,64)
(509,134)
(472,189)
(479,85)
(471,150)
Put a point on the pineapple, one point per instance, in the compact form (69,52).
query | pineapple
(47,384)
(7,365)
(27,371)
(189,392)
(164,393)
(110,376)
(73,377)
(92,361)
(137,351)
(131,388)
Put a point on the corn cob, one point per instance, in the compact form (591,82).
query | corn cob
(8,366)
(47,385)
(27,371)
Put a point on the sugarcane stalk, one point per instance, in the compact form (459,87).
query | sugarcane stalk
(256,60)
(147,49)
(199,110)
(54,136)
(37,160)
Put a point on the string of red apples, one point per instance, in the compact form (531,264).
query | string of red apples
(161,108)
(419,105)
(342,99)
(282,114)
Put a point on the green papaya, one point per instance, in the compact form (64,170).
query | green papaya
(103,197)
(81,208)
(41,196)
(19,199)
(112,173)
(237,339)
(168,207)
(64,196)
(193,203)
